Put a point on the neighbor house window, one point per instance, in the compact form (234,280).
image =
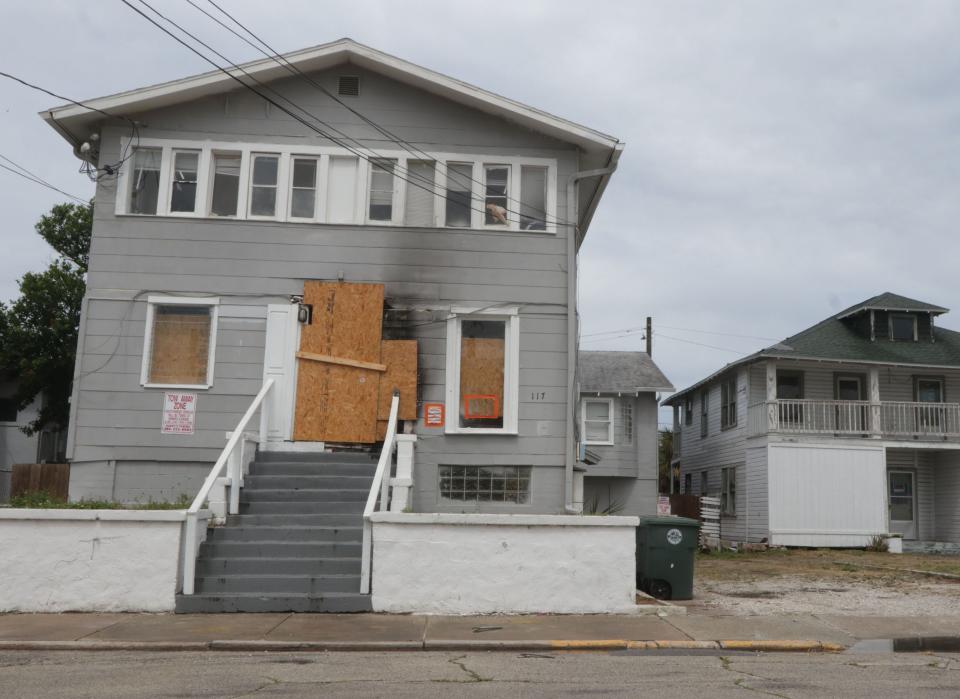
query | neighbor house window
(509,484)
(728,490)
(381,189)
(704,482)
(728,402)
(482,373)
(459,180)
(145,184)
(626,415)
(704,412)
(533,198)
(303,188)
(226,184)
(179,342)
(597,420)
(688,411)
(183,190)
(687,483)
(263,185)
(419,205)
(497,184)
(790,388)
(903,327)
(8,409)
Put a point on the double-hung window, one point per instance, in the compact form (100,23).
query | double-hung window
(226,184)
(145,187)
(704,412)
(596,416)
(483,355)
(533,198)
(728,402)
(728,490)
(183,188)
(496,197)
(688,411)
(179,342)
(303,188)
(381,189)
(263,185)
(419,205)
(459,195)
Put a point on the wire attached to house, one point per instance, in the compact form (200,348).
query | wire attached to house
(27,175)
(411,148)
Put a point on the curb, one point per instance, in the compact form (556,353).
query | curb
(779,646)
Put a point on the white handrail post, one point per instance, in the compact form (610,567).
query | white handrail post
(264,422)
(365,560)
(379,486)
(189,552)
(233,469)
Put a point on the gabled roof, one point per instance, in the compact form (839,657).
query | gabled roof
(892,302)
(834,340)
(620,372)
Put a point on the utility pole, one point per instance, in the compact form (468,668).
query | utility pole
(649,336)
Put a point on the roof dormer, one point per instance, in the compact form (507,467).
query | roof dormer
(893,318)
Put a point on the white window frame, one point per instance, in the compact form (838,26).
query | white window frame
(209,182)
(611,430)
(395,205)
(279,206)
(512,198)
(320,177)
(286,152)
(626,416)
(511,369)
(154,301)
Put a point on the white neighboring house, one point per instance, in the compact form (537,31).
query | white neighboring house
(835,435)
(15,446)
(618,430)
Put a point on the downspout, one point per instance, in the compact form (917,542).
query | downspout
(573,233)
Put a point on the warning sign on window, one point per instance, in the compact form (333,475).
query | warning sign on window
(433,414)
(179,413)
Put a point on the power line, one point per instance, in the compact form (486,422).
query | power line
(431,189)
(294,70)
(27,175)
(699,344)
(713,332)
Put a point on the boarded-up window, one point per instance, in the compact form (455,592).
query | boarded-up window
(420,195)
(482,361)
(179,343)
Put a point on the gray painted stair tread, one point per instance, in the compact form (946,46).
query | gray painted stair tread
(343,602)
(317,457)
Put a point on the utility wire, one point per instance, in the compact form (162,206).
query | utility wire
(699,344)
(27,175)
(274,55)
(263,96)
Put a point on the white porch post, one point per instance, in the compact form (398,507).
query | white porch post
(873,381)
(403,481)
(773,414)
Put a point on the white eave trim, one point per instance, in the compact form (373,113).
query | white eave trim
(325,56)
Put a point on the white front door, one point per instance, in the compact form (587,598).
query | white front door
(280,364)
(903,503)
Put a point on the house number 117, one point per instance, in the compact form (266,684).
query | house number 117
(541,395)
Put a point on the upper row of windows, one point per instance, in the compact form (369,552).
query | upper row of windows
(331,188)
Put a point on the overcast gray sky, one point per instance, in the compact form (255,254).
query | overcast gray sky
(783,160)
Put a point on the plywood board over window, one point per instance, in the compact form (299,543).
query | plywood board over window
(481,374)
(400,358)
(338,403)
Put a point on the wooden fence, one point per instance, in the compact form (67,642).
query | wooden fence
(53,479)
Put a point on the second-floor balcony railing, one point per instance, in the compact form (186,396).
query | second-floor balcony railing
(856,418)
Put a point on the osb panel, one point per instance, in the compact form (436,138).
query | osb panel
(181,346)
(481,368)
(339,403)
(400,356)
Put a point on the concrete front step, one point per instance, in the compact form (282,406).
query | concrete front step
(306,468)
(286,533)
(340,602)
(212,566)
(273,481)
(311,495)
(278,549)
(280,519)
(302,507)
(278,584)
(318,457)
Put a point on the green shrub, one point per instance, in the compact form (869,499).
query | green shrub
(39,499)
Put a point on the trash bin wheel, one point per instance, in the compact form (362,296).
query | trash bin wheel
(659,589)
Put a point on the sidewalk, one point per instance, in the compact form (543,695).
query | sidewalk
(400,632)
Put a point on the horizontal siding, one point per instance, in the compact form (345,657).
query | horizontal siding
(757,494)
(947,497)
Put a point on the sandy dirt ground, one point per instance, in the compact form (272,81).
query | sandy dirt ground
(825,582)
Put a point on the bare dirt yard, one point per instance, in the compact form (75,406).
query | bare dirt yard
(823,581)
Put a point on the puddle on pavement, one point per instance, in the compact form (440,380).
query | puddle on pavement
(917,644)
(758,594)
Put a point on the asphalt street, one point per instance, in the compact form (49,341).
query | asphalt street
(492,674)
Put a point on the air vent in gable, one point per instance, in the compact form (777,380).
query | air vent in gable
(349,85)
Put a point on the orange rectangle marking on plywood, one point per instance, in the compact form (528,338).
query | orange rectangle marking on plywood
(327,359)
(481,407)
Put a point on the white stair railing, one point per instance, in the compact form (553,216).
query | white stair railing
(232,460)
(380,488)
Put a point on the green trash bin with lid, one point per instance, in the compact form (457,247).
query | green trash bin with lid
(665,553)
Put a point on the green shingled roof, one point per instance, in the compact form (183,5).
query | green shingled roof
(836,339)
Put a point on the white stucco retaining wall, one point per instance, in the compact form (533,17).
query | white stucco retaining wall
(91,560)
(481,564)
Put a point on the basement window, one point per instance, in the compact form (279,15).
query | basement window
(179,342)
(483,356)
(145,185)
(183,189)
(509,484)
(596,416)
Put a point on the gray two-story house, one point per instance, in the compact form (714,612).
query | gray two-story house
(840,433)
(285,224)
